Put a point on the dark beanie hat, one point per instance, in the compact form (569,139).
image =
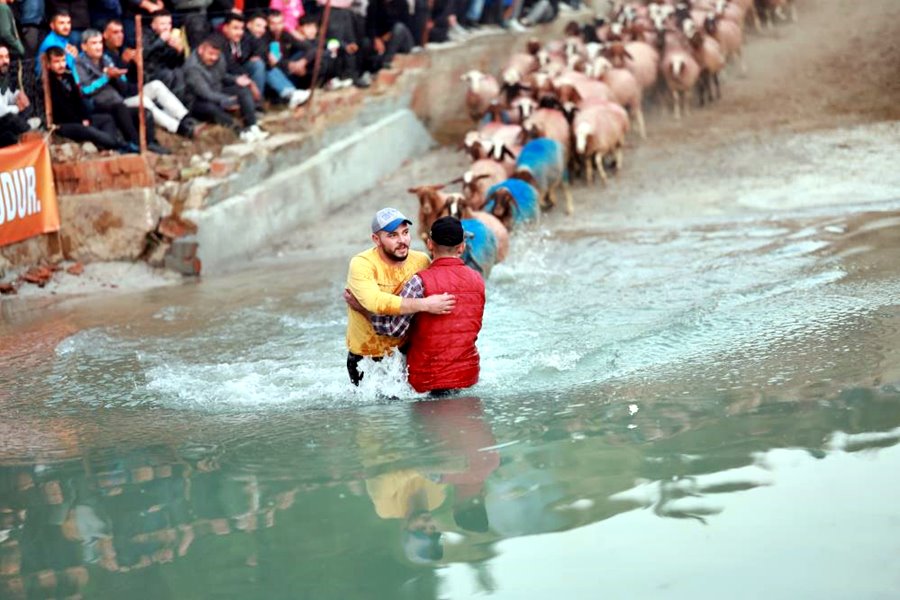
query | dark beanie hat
(447,231)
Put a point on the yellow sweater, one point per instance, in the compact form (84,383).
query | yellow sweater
(376,285)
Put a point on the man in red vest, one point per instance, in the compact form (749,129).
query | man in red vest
(441,353)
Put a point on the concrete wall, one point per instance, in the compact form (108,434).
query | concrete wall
(233,229)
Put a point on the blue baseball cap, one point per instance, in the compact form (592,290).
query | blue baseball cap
(388,219)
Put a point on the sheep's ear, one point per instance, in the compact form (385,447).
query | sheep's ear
(627,54)
(437,187)
(576,97)
(452,181)
(507,152)
(413,190)
(483,175)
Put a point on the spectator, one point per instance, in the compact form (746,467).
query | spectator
(242,56)
(164,54)
(13,103)
(145,8)
(103,11)
(59,37)
(114,48)
(443,25)
(192,19)
(276,80)
(31,19)
(386,25)
(104,84)
(71,115)
(9,36)
(347,26)
(79,12)
(212,90)
(538,11)
(168,111)
(291,10)
(293,55)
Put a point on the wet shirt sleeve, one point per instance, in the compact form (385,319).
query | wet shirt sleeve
(363,283)
(398,326)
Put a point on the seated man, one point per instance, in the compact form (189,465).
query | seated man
(441,352)
(386,28)
(164,54)
(166,107)
(297,54)
(70,114)
(13,103)
(103,85)
(347,26)
(276,80)
(242,56)
(212,91)
(59,37)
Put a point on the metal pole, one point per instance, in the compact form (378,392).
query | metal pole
(139,60)
(48,102)
(323,31)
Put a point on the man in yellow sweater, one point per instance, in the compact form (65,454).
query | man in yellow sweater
(375,278)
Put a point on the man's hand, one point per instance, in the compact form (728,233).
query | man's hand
(273,60)
(379,45)
(72,50)
(439,304)
(86,122)
(352,48)
(255,92)
(298,67)
(114,72)
(243,80)
(353,303)
(22,101)
(128,54)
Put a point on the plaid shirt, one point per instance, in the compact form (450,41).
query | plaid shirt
(399,325)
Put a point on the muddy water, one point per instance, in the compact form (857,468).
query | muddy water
(704,408)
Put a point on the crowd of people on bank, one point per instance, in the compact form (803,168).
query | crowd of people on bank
(210,61)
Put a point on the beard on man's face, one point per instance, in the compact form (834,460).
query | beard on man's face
(399,253)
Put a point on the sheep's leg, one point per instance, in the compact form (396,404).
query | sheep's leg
(793,12)
(757,23)
(620,160)
(685,104)
(570,204)
(718,87)
(601,171)
(639,115)
(676,107)
(589,170)
(743,65)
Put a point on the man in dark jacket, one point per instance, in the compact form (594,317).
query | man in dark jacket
(71,115)
(276,80)
(388,26)
(105,86)
(242,56)
(164,54)
(296,56)
(212,91)
(14,103)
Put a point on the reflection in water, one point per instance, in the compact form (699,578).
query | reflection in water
(436,483)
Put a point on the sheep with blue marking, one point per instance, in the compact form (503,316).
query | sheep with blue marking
(542,163)
(514,202)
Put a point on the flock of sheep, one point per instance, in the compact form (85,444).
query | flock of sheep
(563,109)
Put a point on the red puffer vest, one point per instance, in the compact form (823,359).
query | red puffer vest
(442,353)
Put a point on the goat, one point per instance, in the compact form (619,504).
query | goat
(478,179)
(432,203)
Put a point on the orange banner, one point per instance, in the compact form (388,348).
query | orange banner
(27,194)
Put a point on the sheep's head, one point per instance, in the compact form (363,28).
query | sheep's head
(593,50)
(473,79)
(429,197)
(600,67)
(525,106)
(511,76)
(455,206)
(503,203)
(533,46)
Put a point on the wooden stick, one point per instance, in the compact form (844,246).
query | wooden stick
(317,65)
(139,61)
(48,101)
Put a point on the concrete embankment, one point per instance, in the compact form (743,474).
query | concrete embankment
(247,196)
